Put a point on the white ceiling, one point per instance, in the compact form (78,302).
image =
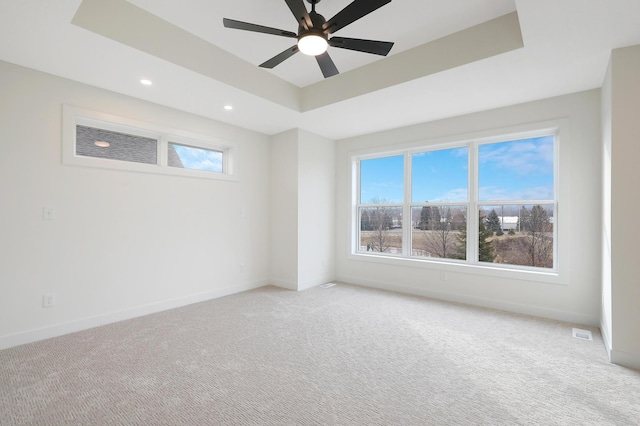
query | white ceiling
(566,49)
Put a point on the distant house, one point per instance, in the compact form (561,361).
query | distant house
(509,222)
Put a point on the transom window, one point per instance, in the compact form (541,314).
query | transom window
(100,140)
(488,202)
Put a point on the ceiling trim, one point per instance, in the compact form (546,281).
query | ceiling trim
(491,38)
(122,21)
(126,23)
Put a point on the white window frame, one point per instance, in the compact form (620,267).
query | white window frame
(73,116)
(557,275)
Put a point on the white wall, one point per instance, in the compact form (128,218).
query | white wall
(575,296)
(302,210)
(122,243)
(316,207)
(284,210)
(605,316)
(625,181)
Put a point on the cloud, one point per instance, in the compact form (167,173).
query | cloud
(525,157)
(529,193)
(199,159)
(457,194)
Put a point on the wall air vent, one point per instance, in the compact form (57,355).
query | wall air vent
(327,285)
(582,334)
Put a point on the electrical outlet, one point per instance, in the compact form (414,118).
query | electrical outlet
(48,300)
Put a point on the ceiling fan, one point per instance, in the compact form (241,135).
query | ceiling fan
(314,30)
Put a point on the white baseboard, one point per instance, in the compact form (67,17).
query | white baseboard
(315,282)
(625,359)
(288,285)
(604,331)
(502,305)
(55,330)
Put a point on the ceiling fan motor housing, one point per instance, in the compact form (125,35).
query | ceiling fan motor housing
(318,21)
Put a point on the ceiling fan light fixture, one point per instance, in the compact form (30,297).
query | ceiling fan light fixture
(312,44)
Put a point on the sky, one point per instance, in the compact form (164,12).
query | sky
(507,171)
(199,159)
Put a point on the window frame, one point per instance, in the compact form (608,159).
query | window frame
(73,116)
(558,275)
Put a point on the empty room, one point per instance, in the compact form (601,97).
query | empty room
(305,212)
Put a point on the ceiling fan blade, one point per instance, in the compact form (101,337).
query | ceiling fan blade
(368,46)
(239,25)
(354,11)
(280,57)
(299,10)
(326,65)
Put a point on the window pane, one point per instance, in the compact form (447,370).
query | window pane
(100,143)
(440,176)
(382,180)
(381,229)
(189,157)
(439,231)
(517,235)
(517,170)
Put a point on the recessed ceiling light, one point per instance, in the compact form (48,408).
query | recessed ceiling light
(228,107)
(146,82)
(102,144)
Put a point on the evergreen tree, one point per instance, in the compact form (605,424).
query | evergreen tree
(493,222)
(524,217)
(436,219)
(485,247)
(461,247)
(425,218)
(365,221)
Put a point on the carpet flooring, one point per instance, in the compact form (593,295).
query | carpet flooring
(344,355)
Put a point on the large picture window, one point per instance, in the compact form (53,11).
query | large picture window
(486,202)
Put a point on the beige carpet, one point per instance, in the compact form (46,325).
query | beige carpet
(344,355)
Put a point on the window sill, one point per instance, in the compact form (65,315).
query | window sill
(497,271)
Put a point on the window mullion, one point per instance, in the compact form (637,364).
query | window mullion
(407,220)
(472,212)
(163,151)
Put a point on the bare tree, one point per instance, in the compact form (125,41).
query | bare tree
(538,237)
(380,221)
(442,236)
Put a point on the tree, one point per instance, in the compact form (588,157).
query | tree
(381,222)
(485,247)
(538,236)
(523,219)
(442,234)
(425,218)
(365,221)
(493,221)
(461,246)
